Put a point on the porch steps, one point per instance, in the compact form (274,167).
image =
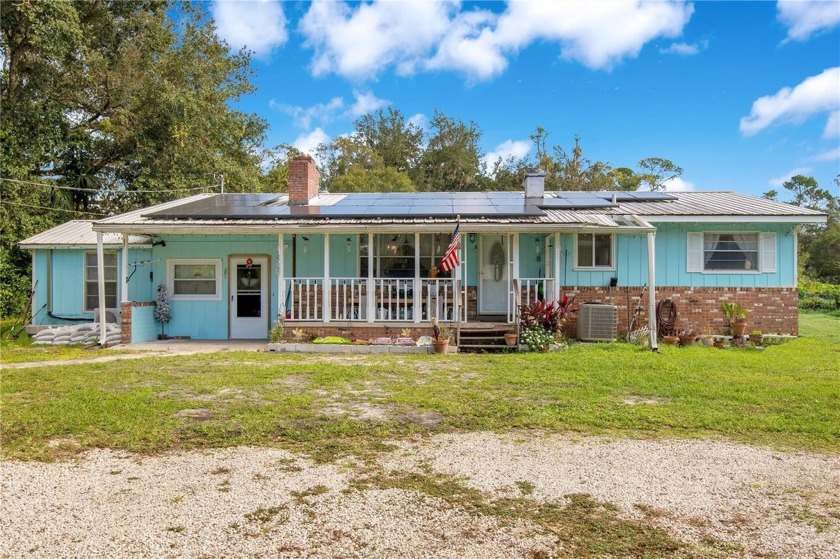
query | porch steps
(487,339)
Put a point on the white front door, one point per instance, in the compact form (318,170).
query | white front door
(494,280)
(249,279)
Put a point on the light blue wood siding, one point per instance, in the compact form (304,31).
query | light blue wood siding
(208,320)
(672,258)
(68,272)
(144,327)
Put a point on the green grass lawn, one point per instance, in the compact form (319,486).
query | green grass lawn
(786,396)
(22,350)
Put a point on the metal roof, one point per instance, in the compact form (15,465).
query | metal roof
(79,233)
(628,212)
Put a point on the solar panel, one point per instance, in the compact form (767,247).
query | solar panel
(398,205)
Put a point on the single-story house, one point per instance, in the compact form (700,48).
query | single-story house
(368,264)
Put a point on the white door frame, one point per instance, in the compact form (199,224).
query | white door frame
(505,239)
(246,327)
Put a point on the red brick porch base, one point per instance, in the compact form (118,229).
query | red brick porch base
(125,318)
(773,310)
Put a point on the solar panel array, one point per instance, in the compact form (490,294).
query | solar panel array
(399,205)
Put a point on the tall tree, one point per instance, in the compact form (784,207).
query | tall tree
(656,172)
(397,142)
(452,159)
(109,98)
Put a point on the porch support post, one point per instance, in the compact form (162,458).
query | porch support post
(418,295)
(464,292)
(326,288)
(556,257)
(370,289)
(517,291)
(281,277)
(124,283)
(651,239)
(100,281)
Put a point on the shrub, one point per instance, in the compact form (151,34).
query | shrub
(818,295)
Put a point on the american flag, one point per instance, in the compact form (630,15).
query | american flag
(450,257)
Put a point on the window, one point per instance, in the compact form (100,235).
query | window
(92,283)
(594,250)
(731,252)
(393,254)
(195,279)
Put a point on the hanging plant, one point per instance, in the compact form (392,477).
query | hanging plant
(163,312)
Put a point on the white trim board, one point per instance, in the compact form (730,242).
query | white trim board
(743,219)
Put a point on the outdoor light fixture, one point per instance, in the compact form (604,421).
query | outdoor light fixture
(472,238)
(349,242)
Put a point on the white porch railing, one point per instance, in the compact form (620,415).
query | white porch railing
(305,299)
(438,298)
(533,289)
(348,299)
(394,299)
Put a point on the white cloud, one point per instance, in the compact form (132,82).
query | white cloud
(678,184)
(419,120)
(816,94)
(414,36)
(365,103)
(311,140)
(804,18)
(304,116)
(685,49)
(515,148)
(828,155)
(259,25)
(358,42)
(832,126)
(777,182)
(324,113)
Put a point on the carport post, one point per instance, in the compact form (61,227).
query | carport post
(651,239)
(100,281)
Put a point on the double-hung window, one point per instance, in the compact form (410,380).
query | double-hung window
(195,279)
(595,250)
(731,252)
(92,281)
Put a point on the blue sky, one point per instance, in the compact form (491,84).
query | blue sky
(740,94)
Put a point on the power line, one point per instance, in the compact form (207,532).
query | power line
(52,209)
(107,191)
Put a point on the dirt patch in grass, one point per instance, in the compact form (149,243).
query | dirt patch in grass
(643,400)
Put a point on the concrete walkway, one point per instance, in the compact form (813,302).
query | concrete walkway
(160,348)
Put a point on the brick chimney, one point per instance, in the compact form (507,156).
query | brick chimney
(303,180)
(535,185)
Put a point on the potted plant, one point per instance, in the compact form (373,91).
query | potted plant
(510,338)
(756,337)
(706,337)
(687,337)
(440,337)
(671,340)
(737,316)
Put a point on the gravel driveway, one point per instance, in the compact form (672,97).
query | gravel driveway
(252,502)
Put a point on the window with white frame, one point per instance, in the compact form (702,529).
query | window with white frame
(594,250)
(731,252)
(92,281)
(195,278)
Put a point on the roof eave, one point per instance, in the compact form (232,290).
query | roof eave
(816,219)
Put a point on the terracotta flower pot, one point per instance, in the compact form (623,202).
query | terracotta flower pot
(671,340)
(441,346)
(510,338)
(738,328)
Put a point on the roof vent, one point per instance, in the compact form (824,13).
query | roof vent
(535,185)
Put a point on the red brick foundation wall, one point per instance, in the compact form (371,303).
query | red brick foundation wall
(125,318)
(773,310)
